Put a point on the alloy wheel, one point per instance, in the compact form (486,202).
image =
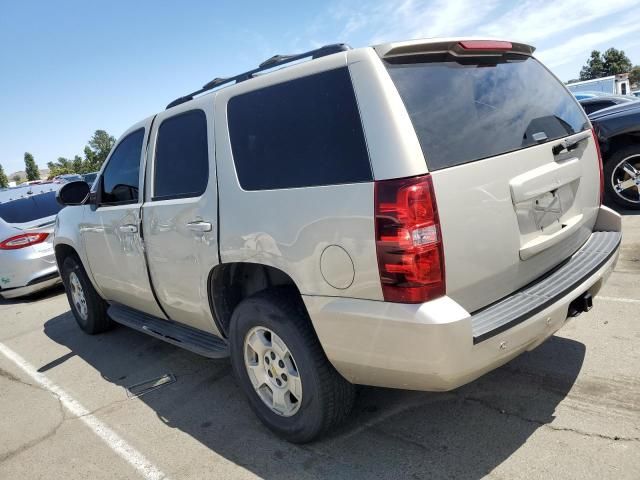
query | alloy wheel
(625,179)
(273,371)
(78,297)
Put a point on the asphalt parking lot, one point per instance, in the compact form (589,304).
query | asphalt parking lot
(569,409)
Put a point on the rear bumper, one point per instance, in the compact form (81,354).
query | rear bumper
(27,270)
(438,345)
(36,286)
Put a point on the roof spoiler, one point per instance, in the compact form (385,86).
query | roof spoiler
(460,47)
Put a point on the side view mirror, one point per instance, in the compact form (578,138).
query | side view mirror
(73,193)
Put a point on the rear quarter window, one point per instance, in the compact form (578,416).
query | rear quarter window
(465,110)
(300,133)
(595,106)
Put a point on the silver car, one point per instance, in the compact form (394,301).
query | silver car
(27,261)
(397,216)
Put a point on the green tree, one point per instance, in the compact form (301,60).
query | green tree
(77,165)
(4,181)
(16,178)
(96,152)
(615,62)
(33,173)
(61,166)
(612,62)
(634,76)
(593,68)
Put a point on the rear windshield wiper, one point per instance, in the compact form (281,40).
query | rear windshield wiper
(571,143)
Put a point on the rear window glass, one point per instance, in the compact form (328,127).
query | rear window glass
(595,106)
(465,110)
(300,133)
(28,209)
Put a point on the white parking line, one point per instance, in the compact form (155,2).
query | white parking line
(618,299)
(108,436)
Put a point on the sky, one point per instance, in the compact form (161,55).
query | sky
(68,68)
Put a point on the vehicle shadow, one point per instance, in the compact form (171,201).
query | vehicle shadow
(391,434)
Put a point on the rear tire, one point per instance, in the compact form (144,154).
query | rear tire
(613,174)
(89,309)
(290,354)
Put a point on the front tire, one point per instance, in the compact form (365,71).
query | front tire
(621,174)
(89,309)
(281,367)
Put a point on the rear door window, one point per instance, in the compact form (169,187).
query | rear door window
(300,133)
(465,110)
(119,184)
(182,158)
(30,208)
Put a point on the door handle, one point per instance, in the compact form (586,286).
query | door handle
(200,226)
(569,144)
(128,228)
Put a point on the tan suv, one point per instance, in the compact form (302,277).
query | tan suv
(410,215)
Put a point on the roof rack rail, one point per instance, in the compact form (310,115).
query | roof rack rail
(272,62)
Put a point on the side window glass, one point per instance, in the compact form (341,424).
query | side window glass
(182,159)
(121,176)
(301,133)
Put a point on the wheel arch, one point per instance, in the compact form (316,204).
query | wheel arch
(62,251)
(230,283)
(622,140)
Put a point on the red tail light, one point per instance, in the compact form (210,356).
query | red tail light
(23,240)
(408,240)
(485,45)
(595,139)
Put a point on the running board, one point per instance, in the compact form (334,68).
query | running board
(189,338)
